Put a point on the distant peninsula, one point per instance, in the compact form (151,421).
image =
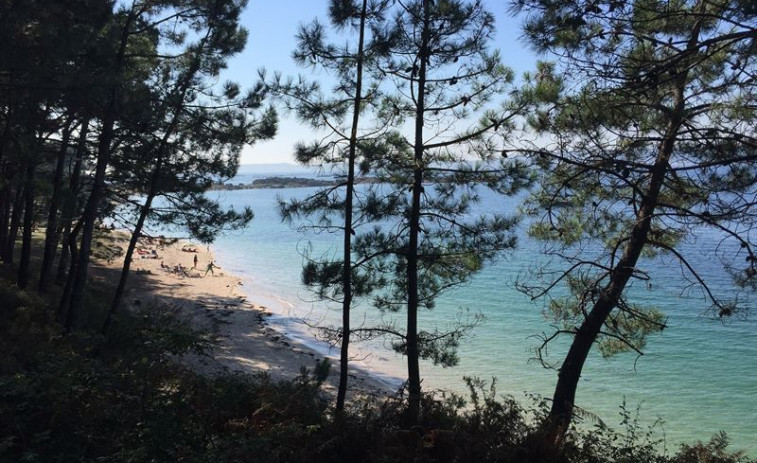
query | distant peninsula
(285,182)
(275,182)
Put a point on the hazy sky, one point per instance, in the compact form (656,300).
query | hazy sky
(273,24)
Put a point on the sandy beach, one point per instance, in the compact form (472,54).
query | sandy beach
(164,272)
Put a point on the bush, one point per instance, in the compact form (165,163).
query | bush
(714,451)
(85,398)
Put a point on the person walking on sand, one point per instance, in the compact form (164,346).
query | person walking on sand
(210,268)
(195,261)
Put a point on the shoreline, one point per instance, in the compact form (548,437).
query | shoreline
(274,350)
(163,271)
(296,319)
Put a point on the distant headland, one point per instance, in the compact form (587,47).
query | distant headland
(275,182)
(283,182)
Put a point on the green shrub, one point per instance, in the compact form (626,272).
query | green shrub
(82,397)
(715,451)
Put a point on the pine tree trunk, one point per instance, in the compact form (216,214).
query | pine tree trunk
(64,308)
(69,209)
(155,177)
(347,250)
(89,219)
(563,399)
(561,413)
(118,296)
(5,218)
(143,213)
(97,194)
(52,234)
(26,241)
(60,273)
(10,245)
(413,352)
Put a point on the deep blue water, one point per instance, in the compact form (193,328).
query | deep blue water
(699,376)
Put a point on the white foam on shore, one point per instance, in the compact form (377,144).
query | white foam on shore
(388,367)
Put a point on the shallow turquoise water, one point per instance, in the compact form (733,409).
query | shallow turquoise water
(699,375)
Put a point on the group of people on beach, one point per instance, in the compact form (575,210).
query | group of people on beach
(159,241)
(184,271)
(208,268)
(149,252)
(178,269)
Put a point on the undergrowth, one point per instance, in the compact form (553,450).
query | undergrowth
(85,398)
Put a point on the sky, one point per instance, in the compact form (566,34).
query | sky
(272,25)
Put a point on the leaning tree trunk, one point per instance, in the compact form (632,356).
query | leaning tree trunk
(70,207)
(97,194)
(154,188)
(143,213)
(561,413)
(88,220)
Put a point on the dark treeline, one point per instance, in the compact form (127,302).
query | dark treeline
(642,133)
(121,112)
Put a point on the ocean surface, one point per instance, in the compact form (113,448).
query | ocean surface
(698,377)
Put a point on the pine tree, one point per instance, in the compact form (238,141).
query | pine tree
(426,239)
(190,136)
(154,102)
(40,75)
(340,114)
(653,123)
(129,21)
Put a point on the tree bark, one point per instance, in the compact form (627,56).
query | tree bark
(90,215)
(143,213)
(561,412)
(65,316)
(26,241)
(70,208)
(347,248)
(6,200)
(10,245)
(413,367)
(52,233)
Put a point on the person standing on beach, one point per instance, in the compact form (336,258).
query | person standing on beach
(210,268)
(195,261)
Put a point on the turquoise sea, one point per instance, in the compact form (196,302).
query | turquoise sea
(699,376)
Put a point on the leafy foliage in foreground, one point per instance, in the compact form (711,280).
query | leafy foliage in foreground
(123,398)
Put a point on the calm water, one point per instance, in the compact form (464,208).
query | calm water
(699,376)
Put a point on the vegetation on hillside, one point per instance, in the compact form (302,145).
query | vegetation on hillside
(124,398)
(114,112)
